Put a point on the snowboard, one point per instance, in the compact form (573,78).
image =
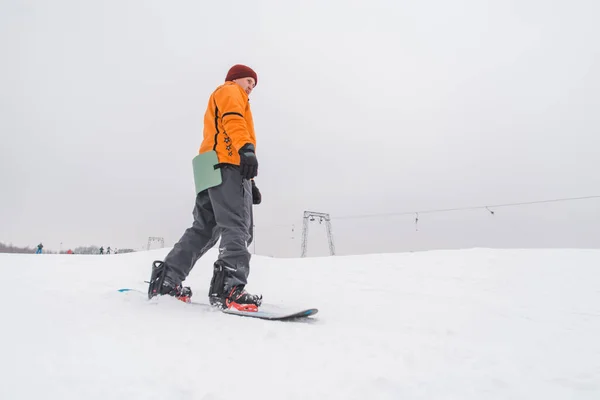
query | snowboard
(265,311)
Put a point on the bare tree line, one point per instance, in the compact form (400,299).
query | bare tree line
(9,248)
(4,248)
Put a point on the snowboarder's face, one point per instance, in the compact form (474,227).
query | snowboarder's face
(247,84)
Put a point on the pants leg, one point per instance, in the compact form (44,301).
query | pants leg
(251,232)
(232,206)
(195,242)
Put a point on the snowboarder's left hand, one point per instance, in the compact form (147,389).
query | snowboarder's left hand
(256,197)
(248,161)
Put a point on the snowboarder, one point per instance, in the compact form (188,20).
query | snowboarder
(225,210)
(39,249)
(108,250)
(101,250)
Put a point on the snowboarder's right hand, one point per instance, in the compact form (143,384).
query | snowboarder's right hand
(248,161)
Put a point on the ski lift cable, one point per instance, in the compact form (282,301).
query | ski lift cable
(441,210)
(466,208)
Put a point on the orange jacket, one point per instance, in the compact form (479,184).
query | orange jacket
(228,123)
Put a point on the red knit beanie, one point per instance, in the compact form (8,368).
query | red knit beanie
(241,71)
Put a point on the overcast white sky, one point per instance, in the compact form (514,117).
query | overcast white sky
(362,107)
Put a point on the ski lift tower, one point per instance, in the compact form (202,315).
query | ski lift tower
(156,239)
(312,216)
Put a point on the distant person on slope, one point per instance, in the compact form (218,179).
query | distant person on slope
(225,210)
(39,249)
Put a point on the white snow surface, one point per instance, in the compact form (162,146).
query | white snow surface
(462,324)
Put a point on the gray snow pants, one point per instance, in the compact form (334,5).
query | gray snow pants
(223,211)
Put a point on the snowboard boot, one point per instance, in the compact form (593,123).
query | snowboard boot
(236,298)
(160,284)
(241,300)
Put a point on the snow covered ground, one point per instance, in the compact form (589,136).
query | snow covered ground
(469,324)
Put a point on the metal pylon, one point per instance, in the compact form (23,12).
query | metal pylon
(310,216)
(156,239)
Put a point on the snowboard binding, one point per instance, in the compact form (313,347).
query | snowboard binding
(236,298)
(159,285)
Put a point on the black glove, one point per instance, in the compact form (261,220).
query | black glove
(248,161)
(256,197)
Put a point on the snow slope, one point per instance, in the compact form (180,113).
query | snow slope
(469,324)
